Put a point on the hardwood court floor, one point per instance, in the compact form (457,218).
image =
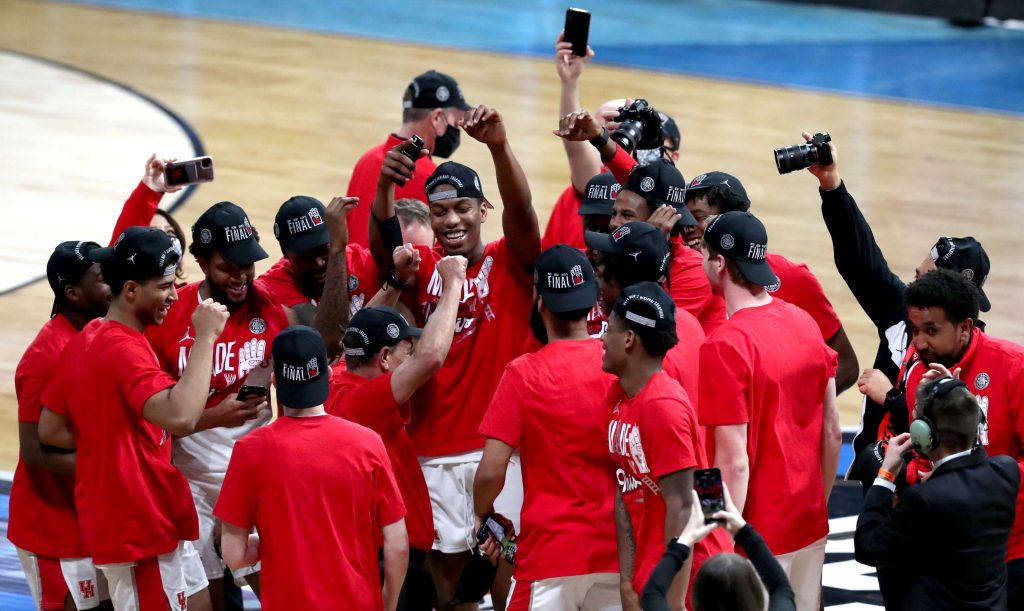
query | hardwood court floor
(287,112)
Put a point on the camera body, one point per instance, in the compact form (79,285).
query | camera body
(639,127)
(189,172)
(799,156)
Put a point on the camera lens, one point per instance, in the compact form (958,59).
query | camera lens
(796,157)
(205,163)
(628,134)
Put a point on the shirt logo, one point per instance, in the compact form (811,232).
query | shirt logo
(257,325)
(727,242)
(981,381)
(647,184)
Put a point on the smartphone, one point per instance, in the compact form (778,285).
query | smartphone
(249,392)
(708,484)
(413,148)
(492,528)
(577,30)
(189,172)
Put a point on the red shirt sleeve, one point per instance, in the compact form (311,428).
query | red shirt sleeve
(237,503)
(137,372)
(54,399)
(621,164)
(31,382)
(666,431)
(723,394)
(388,504)
(138,210)
(504,418)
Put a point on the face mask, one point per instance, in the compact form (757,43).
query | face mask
(445,144)
(647,156)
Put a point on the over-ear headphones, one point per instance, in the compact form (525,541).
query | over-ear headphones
(923,432)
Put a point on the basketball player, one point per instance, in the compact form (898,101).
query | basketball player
(653,438)
(767,398)
(320,493)
(43,524)
(134,508)
(549,405)
(492,328)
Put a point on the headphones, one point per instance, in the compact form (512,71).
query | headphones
(923,432)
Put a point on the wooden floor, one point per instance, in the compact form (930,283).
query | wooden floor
(287,112)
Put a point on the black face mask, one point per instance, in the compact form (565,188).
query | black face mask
(445,144)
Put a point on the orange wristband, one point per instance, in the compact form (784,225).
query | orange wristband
(886,475)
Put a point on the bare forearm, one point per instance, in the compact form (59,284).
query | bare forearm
(437,334)
(187,398)
(487,485)
(518,219)
(831,439)
(396,563)
(735,475)
(626,541)
(386,296)
(332,313)
(584,161)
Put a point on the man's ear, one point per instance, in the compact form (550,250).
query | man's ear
(204,263)
(384,359)
(964,329)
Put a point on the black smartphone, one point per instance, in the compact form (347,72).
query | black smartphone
(413,147)
(497,531)
(708,484)
(577,30)
(189,172)
(249,392)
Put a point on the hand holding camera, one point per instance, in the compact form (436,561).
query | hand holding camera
(638,127)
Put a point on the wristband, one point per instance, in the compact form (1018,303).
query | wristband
(392,279)
(601,140)
(887,475)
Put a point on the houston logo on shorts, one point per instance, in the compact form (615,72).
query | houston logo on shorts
(87,588)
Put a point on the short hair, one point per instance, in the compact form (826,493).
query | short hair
(956,414)
(411,210)
(619,267)
(722,197)
(571,315)
(946,289)
(734,271)
(727,582)
(355,361)
(116,277)
(654,341)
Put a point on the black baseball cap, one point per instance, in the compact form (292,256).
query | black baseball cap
(464,180)
(966,257)
(670,131)
(139,253)
(226,229)
(564,278)
(434,89)
(740,237)
(300,224)
(645,244)
(374,328)
(648,305)
(713,179)
(300,367)
(659,182)
(599,197)
(66,266)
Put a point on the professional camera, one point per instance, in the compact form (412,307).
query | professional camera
(639,127)
(800,156)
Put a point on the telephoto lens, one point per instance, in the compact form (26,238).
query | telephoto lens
(628,134)
(799,156)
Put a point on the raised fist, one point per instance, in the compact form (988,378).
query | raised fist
(209,319)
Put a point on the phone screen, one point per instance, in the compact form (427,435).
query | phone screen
(248,392)
(577,30)
(708,484)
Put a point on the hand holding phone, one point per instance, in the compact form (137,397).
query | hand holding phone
(577,30)
(708,485)
(188,172)
(494,530)
(250,392)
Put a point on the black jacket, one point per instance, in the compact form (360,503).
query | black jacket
(948,534)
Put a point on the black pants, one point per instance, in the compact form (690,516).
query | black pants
(1015,585)
(418,589)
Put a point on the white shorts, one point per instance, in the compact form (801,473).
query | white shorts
(51,579)
(178,573)
(450,483)
(205,492)
(803,568)
(591,592)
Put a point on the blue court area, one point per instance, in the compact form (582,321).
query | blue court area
(822,48)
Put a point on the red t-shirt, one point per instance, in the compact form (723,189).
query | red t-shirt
(652,435)
(279,281)
(565,226)
(768,367)
(800,287)
(132,503)
(690,288)
(363,185)
(138,210)
(372,404)
(550,405)
(318,489)
(42,514)
(682,362)
(993,370)
(493,327)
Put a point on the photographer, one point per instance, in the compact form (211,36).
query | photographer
(713,193)
(652,193)
(726,581)
(881,292)
(953,528)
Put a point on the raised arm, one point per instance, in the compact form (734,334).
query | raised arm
(584,160)
(385,230)
(178,409)
(332,313)
(141,205)
(518,218)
